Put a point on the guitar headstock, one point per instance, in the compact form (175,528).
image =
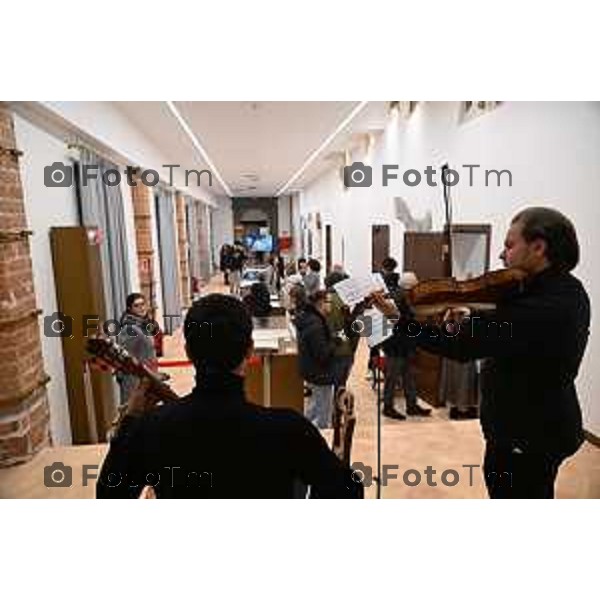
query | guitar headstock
(106,352)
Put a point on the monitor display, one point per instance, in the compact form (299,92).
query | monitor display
(259,243)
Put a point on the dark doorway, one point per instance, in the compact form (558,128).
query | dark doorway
(424,254)
(380,245)
(327,248)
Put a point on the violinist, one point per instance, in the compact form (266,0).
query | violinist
(532,343)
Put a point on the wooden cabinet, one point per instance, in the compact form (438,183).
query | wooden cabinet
(80,297)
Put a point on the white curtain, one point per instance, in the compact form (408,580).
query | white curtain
(102,207)
(167,242)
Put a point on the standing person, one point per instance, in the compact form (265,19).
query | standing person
(302,266)
(238,258)
(312,279)
(136,336)
(279,271)
(336,319)
(316,355)
(316,348)
(215,443)
(258,301)
(399,353)
(530,413)
(392,282)
(224,260)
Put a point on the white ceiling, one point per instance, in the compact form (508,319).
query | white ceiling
(256,146)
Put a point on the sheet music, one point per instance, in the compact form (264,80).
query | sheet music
(354,290)
(381,327)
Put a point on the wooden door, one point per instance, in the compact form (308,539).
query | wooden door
(425,255)
(380,245)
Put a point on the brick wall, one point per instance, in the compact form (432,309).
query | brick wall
(142,196)
(24,413)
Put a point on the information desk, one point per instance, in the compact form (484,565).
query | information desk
(273,378)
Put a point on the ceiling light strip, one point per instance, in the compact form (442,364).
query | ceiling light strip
(196,142)
(322,147)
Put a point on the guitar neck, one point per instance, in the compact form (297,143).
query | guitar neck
(122,362)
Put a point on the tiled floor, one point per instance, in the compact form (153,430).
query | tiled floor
(416,444)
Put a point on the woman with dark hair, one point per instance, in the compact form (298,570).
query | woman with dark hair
(258,301)
(136,336)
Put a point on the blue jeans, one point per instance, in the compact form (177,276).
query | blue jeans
(319,405)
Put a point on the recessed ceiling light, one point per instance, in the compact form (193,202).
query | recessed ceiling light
(196,142)
(322,147)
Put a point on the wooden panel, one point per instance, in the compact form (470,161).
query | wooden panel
(287,386)
(424,254)
(380,245)
(80,292)
(254,382)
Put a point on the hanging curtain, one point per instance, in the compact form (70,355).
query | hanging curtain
(193,239)
(167,243)
(102,207)
(203,241)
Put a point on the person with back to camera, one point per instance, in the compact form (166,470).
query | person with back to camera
(213,443)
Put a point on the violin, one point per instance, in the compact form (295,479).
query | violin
(434,296)
(487,288)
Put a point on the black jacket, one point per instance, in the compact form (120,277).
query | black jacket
(214,444)
(316,346)
(533,344)
(400,345)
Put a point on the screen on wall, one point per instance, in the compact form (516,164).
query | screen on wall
(259,243)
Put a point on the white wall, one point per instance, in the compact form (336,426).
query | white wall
(553,152)
(45,208)
(284,215)
(104,122)
(222,226)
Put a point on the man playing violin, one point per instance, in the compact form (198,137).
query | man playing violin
(532,343)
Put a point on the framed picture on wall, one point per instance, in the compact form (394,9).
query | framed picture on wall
(475,108)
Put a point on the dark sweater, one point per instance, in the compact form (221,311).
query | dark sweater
(215,444)
(528,377)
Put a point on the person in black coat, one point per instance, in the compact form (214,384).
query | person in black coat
(316,354)
(214,443)
(533,345)
(399,353)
